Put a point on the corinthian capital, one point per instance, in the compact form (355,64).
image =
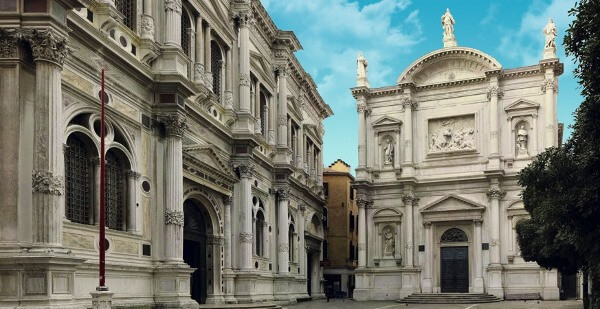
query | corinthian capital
(46,183)
(550,83)
(362,203)
(408,102)
(245,170)
(173,5)
(283,193)
(494,92)
(8,43)
(175,125)
(495,193)
(48,45)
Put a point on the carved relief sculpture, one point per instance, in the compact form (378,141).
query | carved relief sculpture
(389,246)
(452,134)
(522,142)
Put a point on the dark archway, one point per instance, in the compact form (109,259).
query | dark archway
(196,229)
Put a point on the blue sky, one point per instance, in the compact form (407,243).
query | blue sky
(394,33)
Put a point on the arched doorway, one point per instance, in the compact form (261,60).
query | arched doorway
(454,259)
(196,229)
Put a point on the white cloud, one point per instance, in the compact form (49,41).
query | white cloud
(491,14)
(526,43)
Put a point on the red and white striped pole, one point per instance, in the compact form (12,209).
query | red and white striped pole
(102,224)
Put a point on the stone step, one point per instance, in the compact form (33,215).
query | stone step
(240,306)
(449,298)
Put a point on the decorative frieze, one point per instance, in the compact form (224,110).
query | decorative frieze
(46,183)
(452,134)
(173,217)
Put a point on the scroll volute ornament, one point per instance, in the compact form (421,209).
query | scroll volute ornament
(48,45)
(175,125)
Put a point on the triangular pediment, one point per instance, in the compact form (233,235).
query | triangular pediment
(453,203)
(205,156)
(522,104)
(386,121)
(260,63)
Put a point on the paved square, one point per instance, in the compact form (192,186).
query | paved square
(350,304)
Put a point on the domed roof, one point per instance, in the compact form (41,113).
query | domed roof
(449,64)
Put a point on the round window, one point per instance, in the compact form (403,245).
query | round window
(146,186)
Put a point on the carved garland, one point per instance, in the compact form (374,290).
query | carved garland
(284,248)
(46,183)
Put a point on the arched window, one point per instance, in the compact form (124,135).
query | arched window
(128,9)
(454,235)
(291,243)
(216,64)
(185,34)
(78,173)
(116,187)
(260,224)
(263,113)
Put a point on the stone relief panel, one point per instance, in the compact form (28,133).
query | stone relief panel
(451,134)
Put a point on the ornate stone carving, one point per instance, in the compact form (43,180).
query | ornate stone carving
(495,193)
(389,245)
(522,142)
(228,100)
(173,5)
(495,242)
(227,201)
(388,152)
(281,69)
(550,83)
(283,193)
(175,125)
(360,108)
(46,183)
(8,43)
(284,248)
(147,26)
(450,134)
(408,102)
(302,208)
(362,203)
(448,26)
(454,235)
(409,245)
(408,198)
(282,120)
(477,222)
(362,247)
(199,73)
(245,170)
(246,237)
(48,45)
(244,79)
(427,224)
(494,91)
(173,217)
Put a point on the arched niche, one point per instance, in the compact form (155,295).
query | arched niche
(388,243)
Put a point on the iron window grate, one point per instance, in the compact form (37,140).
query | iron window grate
(128,9)
(77,181)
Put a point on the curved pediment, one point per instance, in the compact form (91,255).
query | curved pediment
(449,65)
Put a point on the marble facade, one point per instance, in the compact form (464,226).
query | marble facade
(439,154)
(214,133)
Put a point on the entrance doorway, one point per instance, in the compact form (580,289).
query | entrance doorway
(196,228)
(568,286)
(309,270)
(455,269)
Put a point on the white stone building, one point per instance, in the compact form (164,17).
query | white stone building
(214,143)
(439,154)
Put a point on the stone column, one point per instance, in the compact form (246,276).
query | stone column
(245,252)
(208,78)
(301,249)
(495,268)
(362,233)
(147,21)
(49,52)
(228,81)
(228,275)
(300,147)
(550,87)
(409,199)
(478,283)
(244,61)
(408,104)
(493,94)
(282,241)
(199,53)
(173,23)
(272,121)
(362,133)
(282,141)
(427,268)
(175,126)
(131,206)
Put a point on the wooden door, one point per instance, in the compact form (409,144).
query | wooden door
(455,269)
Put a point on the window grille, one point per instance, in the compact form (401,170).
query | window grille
(260,220)
(454,235)
(128,9)
(114,194)
(263,114)
(215,57)
(77,181)
(185,35)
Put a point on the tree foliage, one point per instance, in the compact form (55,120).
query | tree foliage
(562,186)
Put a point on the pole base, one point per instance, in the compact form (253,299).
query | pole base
(101,298)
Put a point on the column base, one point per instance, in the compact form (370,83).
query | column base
(478,285)
(101,299)
(39,280)
(245,287)
(427,286)
(229,285)
(282,289)
(172,282)
(495,287)
(172,61)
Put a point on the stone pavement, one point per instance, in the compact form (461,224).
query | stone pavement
(350,304)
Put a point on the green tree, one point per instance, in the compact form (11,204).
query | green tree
(562,186)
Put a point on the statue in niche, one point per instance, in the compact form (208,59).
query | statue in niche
(522,142)
(389,247)
(550,32)
(448,25)
(389,153)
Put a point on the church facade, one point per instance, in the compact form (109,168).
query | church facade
(439,154)
(213,155)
